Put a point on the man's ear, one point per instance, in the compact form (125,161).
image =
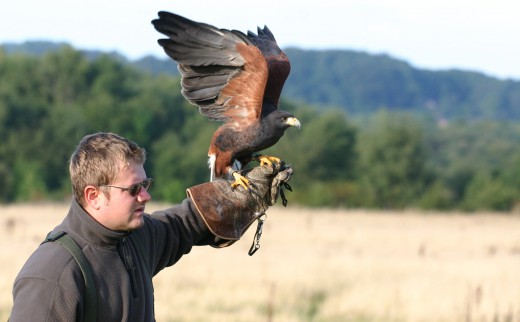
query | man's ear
(93,197)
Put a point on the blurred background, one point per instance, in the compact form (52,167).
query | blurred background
(403,104)
(406,196)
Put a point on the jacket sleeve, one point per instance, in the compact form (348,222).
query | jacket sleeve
(170,233)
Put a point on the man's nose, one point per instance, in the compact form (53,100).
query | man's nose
(144,196)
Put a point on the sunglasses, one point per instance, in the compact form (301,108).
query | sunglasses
(135,188)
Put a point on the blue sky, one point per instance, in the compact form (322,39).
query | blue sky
(476,35)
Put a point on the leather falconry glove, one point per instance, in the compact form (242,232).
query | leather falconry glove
(228,212)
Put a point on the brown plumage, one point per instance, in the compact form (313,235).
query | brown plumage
(234,78)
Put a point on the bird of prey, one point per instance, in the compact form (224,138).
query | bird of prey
(232,77)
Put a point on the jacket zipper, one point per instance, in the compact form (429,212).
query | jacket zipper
(125,254)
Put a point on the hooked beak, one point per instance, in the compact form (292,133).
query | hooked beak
(292,121)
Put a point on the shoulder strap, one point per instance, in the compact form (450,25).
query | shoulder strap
(62,238)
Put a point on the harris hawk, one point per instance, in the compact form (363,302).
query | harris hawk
(232,77)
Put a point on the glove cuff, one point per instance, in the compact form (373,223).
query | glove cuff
(227,212)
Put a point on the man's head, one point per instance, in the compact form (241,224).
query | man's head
(98,159)
(101,168)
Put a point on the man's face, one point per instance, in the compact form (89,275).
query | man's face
(122,211)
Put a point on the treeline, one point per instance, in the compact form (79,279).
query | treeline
(360,83)
(383,160)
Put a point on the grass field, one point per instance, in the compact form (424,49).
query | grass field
(323,265)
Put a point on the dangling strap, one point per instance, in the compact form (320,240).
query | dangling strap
(90,309)
(256,242)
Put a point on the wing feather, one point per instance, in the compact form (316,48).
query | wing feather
(278,64)
(223,72)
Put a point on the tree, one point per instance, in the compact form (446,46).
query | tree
(487,193)
(392,160)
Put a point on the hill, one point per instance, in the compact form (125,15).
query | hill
(361,84)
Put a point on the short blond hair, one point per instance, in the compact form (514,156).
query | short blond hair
(98,159)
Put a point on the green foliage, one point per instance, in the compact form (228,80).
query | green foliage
(179,160)
(323,149)
(437,196)
(393,160)
(475,164)
(7,180)
(29,184)
(486,193)
(385,159)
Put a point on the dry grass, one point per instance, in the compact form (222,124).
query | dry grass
(324,265)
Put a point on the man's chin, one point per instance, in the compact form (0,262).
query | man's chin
(136,223)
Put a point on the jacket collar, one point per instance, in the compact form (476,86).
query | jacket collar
(85,229)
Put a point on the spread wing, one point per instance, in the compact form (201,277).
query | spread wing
(278,65)
(223,72)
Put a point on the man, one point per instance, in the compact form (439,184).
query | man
(125,246)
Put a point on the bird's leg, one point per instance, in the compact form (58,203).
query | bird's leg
(240,180)
(266,159)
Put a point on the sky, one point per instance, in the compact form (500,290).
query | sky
(476,35)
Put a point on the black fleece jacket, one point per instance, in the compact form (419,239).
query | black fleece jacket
(50,286)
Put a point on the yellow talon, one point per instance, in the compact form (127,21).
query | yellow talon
(268,160)
(240,180)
